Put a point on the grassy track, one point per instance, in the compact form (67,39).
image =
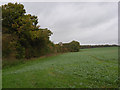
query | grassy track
(89,68)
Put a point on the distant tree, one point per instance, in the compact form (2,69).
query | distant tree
(74,46)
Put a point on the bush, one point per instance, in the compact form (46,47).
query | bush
(74,46)
(20,52)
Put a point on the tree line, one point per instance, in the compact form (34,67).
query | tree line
(22,37)
(97,46)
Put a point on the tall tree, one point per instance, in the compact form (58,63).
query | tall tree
(29,37)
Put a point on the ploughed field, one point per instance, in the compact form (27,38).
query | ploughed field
(89,68)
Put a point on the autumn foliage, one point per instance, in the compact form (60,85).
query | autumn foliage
(23,37)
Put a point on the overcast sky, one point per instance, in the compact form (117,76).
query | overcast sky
(86,22)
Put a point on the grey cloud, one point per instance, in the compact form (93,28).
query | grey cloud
(86,22)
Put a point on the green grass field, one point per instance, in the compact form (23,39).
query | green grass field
(89,68)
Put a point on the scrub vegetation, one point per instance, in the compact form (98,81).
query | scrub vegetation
(31,60)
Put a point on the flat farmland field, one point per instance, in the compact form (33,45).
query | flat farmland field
(88,68)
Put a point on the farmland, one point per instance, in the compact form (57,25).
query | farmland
(88,68)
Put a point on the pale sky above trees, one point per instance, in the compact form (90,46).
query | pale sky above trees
(86,22)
